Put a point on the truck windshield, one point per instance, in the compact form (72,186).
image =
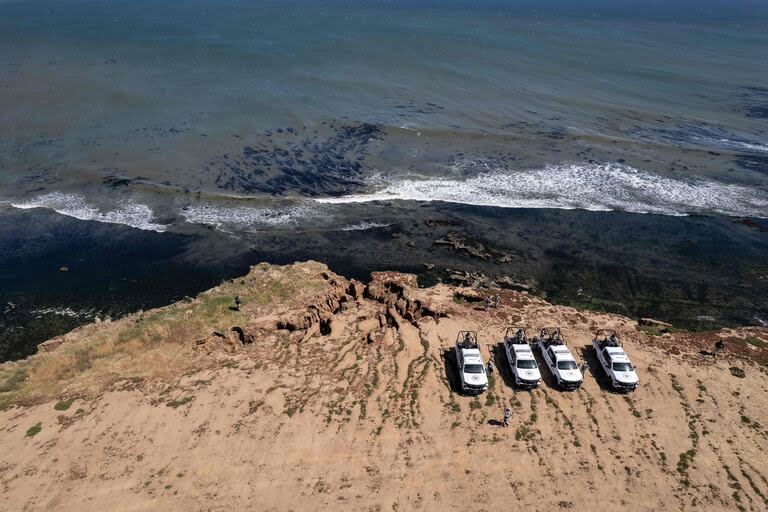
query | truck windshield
(566,365)
(473,368)
(622,367)
(526,363)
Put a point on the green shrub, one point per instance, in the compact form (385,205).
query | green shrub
(34,429)
(64,404)
(180,402)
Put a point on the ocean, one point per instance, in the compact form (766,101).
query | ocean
(316,129)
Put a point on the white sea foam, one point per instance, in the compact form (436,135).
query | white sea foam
(737,145)
(363,226)
(600,187)
(135,215)
(752,146)
(69,312)
(246,217)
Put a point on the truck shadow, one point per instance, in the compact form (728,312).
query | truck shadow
(546,374)
(499,359)
(452,371)
(589,355)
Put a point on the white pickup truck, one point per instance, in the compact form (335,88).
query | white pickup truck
(559,359)
(470,363)
(614,360)
(520,357)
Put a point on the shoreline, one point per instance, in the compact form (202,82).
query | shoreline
(671,268)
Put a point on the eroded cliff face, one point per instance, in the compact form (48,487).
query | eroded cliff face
(322,392)
(388,300)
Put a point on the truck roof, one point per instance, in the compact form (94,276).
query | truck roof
(562,353)
(472,355)
(522,351)
(617,354)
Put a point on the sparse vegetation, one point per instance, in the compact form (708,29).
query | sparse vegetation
(34,429)
(63,405)
(178,403)
(685,461)
(656,330)
(749,340)
(149,344)
(11,379)
(524,433)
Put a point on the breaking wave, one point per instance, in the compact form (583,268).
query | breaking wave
(598,187)
(130,214)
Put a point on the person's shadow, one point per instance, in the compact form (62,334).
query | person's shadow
(495,423)
(707,353)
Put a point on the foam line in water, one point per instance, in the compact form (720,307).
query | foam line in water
(130,214)
(599,187)
(245,217)
(364,226)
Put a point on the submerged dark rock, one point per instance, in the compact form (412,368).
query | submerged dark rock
(754,102)
(294,162)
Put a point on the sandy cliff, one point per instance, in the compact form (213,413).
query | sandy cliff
(321,393)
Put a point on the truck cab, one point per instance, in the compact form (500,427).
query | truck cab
(469,360)
(522,363)
(615,362)
(559,359)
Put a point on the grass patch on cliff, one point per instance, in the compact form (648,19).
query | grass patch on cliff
(657,330)
(749,340)
(34,429)
(153,344)
(64,404)
(174,404)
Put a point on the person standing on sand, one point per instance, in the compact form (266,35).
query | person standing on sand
(488,302)
(719,346)
(490,368)
(498,301)
(507,414)
(237,303)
